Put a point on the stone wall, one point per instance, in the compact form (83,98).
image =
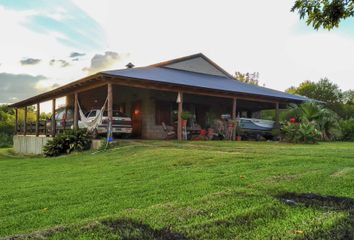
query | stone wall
(30,144)
(149,128)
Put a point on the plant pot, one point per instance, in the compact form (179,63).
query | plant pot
(184,123)
(238,138)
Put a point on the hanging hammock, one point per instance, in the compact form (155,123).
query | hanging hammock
(91,124)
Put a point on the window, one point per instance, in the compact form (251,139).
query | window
(163,112)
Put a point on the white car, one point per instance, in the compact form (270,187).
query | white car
(121,123)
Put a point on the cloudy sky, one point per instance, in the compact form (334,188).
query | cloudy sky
(45,44)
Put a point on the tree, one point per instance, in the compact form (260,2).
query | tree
(324,90)
(340,102)
(324,13)
(348,97)
(250,78)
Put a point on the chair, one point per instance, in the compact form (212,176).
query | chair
(170,134)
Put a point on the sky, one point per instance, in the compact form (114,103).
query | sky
(45,44)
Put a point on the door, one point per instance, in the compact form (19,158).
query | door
(136,118)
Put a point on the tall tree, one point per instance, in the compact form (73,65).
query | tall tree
(324,90)
(324,13)
(250,78)
(340,102)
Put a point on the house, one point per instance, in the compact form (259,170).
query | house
(149,94)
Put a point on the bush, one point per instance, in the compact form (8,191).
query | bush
(305,132)
(308,133)
(69,141)
(5,140)
(347,129)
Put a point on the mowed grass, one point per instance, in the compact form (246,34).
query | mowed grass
(189,190)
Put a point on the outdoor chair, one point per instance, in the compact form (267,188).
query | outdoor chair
(170,134)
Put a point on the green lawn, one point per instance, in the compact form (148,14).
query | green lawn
(190,190)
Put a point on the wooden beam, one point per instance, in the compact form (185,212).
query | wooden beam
(37,119)
(110,104)
(54,122)
(16,121)
(180,109)
(25,122)
(76,111)
(277,124)
(187,90)
(234,113)
(234,106)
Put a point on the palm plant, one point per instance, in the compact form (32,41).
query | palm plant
(325,119)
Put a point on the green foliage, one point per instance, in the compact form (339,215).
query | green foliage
(347,129)
(324,13)
(329,93)
(326,120)
(304,132)
(323,90)
(69,141)
(7,125)
(308,133)
(186,115)
(5,140)
(289,131)
(250,78)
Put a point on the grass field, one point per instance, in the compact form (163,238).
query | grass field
(190,190)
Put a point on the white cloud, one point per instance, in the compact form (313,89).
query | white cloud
(239,35)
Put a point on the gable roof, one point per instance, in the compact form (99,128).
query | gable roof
(195,63)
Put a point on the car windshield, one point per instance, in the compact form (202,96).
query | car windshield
(115,114)
(92,114)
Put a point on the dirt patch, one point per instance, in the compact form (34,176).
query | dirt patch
(318,201)
(131,229)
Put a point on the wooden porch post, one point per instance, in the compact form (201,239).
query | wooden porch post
(234,111)
(180,109)
(16,121)
(76,111)
(277,124)
(110,104)
(25,122)
(54,122)
(37,120)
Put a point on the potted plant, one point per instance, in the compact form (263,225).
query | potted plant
(185,117)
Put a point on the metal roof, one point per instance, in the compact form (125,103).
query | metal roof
(199,80)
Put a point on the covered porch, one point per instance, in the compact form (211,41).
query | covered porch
(148,105)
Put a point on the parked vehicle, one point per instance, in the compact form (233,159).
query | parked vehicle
(64,119)
(255,128)
(121,123)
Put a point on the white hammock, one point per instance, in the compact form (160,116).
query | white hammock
(91,124)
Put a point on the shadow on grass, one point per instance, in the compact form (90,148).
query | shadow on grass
(341,229)
(125,229)
(132,229)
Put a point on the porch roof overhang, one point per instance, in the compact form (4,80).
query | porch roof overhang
(169,79)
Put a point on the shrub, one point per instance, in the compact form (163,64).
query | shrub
(305,132)
(289,131)
(69,141)
(5,140)
(308,133)
(347,129)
